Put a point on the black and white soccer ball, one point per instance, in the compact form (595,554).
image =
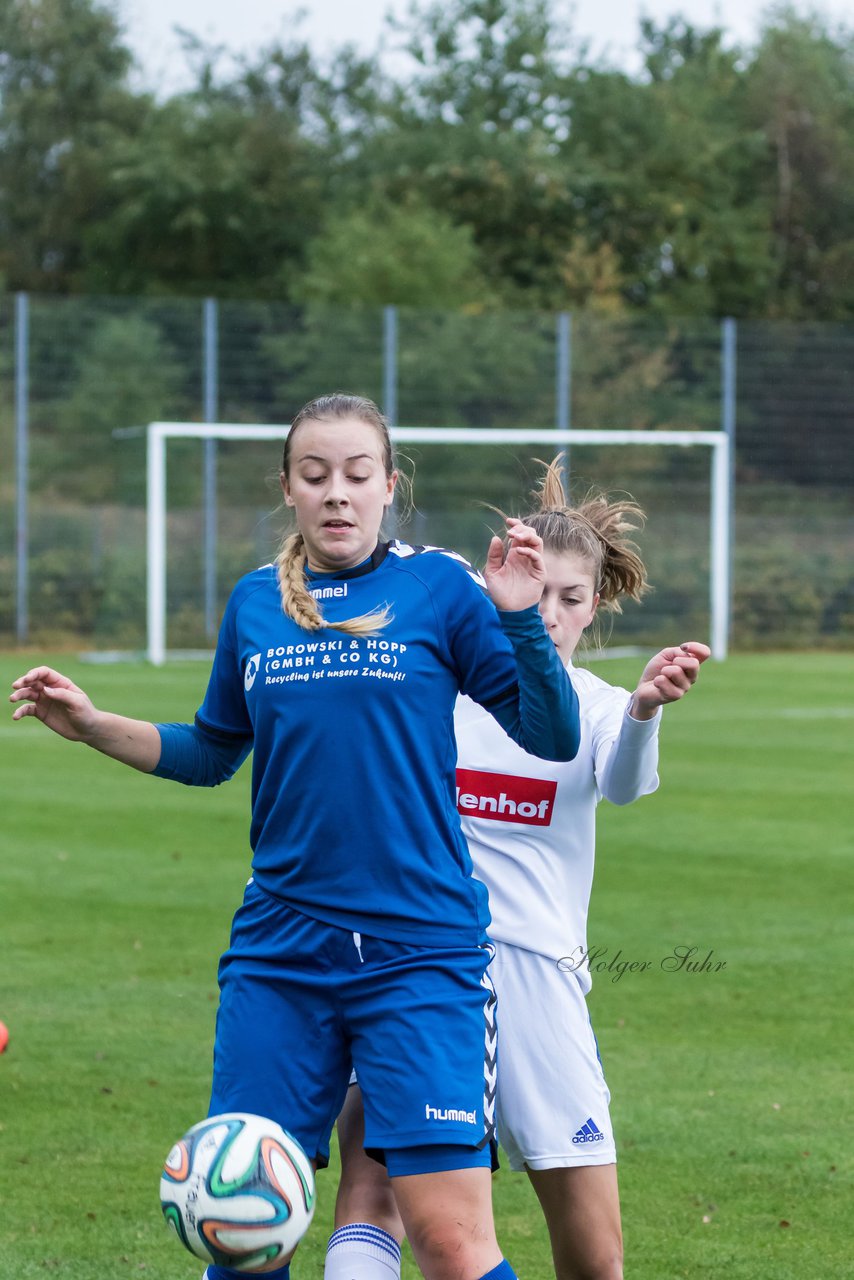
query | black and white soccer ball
(238,1191)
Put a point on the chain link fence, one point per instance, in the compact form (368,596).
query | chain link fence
(81,378)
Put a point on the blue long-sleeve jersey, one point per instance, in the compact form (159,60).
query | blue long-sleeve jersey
(353,814)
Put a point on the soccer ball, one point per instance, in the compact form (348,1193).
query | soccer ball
(239,1192)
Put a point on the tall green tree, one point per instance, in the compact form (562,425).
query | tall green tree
(473,127)
(407,254)
(663,172)
(497,167)
(800,89)
(220,188)
(64,96)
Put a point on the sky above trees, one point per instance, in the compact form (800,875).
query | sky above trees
(611,26)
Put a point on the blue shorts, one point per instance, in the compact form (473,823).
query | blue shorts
(302,1001)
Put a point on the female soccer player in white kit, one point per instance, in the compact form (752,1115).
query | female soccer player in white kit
(530,827)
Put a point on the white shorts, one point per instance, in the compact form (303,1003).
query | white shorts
(552,1099)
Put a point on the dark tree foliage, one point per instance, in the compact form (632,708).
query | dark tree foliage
(64,98)
(496,160)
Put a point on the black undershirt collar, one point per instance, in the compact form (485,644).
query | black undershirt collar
(373,561)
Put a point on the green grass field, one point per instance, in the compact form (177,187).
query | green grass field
(732,1086)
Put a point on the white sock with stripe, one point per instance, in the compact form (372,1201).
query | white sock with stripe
(362,1252)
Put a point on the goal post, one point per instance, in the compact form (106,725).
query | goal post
(159,433)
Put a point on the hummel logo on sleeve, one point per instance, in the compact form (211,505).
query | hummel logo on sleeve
(588,1133)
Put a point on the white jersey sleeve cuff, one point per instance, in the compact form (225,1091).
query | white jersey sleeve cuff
(631,769)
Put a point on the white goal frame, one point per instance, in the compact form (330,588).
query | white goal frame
(717,441)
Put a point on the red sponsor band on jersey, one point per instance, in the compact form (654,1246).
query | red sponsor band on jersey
(505,798)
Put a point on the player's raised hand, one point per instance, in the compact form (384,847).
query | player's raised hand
(516,581)
(55,700)
(668,676)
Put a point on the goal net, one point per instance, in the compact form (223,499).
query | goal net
(199,543)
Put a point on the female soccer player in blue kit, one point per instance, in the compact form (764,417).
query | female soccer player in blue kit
(530,826)
(361,936)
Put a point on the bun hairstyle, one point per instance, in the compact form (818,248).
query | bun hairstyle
(297,601)
(596,530)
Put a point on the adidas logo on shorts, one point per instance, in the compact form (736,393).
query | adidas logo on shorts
(588,1133)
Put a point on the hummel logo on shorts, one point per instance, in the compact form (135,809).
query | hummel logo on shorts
(589,1133)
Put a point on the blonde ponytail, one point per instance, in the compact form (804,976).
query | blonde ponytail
(300,605)
(597,530)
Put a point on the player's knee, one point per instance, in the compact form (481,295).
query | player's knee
(445,1249)
(604,1262)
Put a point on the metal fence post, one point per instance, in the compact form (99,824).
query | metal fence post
(729,348)
(22,465)
(210,396)
(563,379)
(390,363)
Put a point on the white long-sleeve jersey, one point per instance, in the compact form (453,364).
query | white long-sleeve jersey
(531,824)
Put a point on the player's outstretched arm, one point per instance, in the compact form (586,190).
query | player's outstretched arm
(668,677)
(540,712)
(64,708)
(515,581)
